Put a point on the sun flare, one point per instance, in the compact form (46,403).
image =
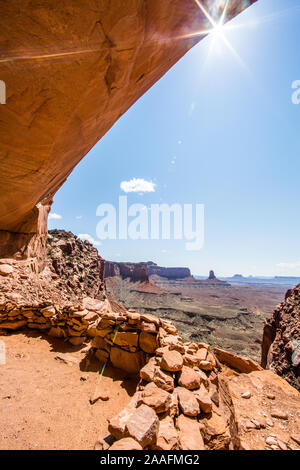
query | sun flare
(217,31)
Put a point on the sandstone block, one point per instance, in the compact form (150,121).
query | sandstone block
(127,443)
(148,342)
(172,361)
(187,401)
(203,398)
(167,437)
(147,372)
(163,379)
(189,378)
(240,363)
(143,426)
(156,398)
(130,362)
(190,437)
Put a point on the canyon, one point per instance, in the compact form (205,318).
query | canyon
(158,391)
(224,315)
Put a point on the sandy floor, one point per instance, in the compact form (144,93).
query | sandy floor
(44,404)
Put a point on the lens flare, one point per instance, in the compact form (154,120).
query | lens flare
(217,29)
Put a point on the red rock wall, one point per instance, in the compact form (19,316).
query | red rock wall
(134,271)
(169,273)
(281,339)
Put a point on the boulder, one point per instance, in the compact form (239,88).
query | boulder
(163,379)
(189,434)
(133,317)
(169,327)
(161,350)
(204,345)
(128,361)
(216,432)
(126,338)
(98,342)
(57,332)
(117,425)
(201,354)
(239,363)
(174,343)
(167,437)
(77,340)
(205,365)
(189,378)
(156,398)
(102,355)
(48,311)
(203,398)
(148,342)
(251,416)
(147,317)
(174,408)
(143,426)
(171,361)
(148,327)
(127,443)
(203,376)
(190,360)
(187,401)
(147,372)
(13,325)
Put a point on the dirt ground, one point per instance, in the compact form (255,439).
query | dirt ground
(44,403)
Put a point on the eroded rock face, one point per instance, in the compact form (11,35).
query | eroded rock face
(70,73)
(77,264)
(281,339)
(72,271)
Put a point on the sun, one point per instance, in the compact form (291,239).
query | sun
(217,31)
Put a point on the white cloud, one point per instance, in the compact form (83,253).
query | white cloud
(137,185)
(88,237)
(78,217)
(179,142)
(53,215)
(294,265)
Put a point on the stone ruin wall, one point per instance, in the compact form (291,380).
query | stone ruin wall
(178,403)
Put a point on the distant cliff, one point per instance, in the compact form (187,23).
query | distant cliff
(169,273)
(134,271)
(142,271)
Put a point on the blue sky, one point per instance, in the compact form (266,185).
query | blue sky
(219,129)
